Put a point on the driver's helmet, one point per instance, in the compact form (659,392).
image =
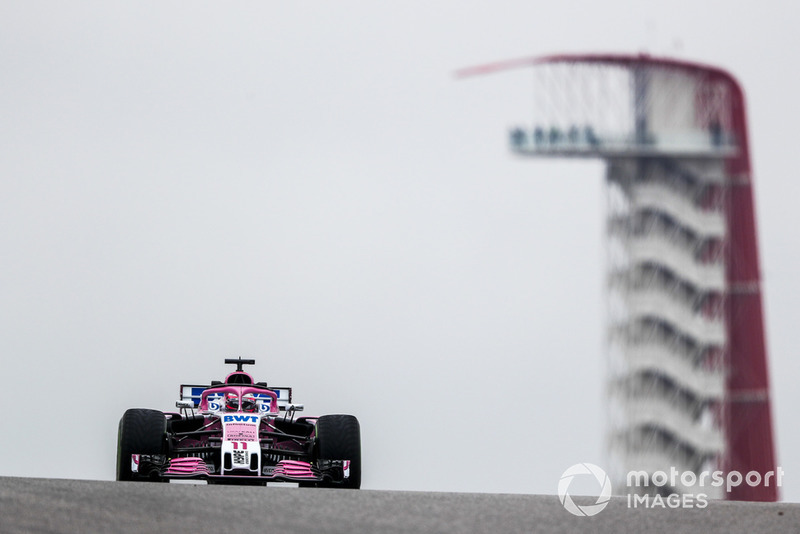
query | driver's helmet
(231,401)
(249,403)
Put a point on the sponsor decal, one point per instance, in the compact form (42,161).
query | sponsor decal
(134,463)
(241,432)
(240,418)
(214,403)
(239,457)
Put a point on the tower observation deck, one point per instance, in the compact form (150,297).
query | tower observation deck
(687,382)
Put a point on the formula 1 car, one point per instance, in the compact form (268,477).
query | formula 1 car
(239,432)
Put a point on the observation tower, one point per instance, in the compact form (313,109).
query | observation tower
(687,365)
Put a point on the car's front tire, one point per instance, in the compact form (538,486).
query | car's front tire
(141,431)
(338,437)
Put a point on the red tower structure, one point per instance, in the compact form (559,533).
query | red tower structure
(677,129)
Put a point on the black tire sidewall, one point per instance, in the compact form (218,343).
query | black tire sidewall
(141,431)
(338,437)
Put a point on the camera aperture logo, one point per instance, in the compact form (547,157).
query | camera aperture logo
(589,509)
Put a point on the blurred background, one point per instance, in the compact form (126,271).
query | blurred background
(309,185)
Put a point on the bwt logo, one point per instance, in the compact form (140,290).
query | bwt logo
(602,499)
(240,418)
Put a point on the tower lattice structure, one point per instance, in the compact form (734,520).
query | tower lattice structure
(687,366)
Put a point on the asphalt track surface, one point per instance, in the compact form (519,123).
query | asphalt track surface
(82,506)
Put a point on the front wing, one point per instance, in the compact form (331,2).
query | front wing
(159,466)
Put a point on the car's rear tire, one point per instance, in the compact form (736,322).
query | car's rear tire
(141,431)
(338,437)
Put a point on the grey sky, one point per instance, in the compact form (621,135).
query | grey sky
(307,184)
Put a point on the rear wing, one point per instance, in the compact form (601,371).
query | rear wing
(194,392)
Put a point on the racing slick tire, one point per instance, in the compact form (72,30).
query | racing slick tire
(141,431)
(339,438)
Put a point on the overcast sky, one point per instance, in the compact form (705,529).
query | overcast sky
(307,184)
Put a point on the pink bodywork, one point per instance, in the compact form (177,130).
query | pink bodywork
(293,469)
(285,470)
(187,467)
(241,391)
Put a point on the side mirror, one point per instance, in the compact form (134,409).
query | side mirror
(182,404)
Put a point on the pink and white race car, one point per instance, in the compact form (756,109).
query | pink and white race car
(239,432)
